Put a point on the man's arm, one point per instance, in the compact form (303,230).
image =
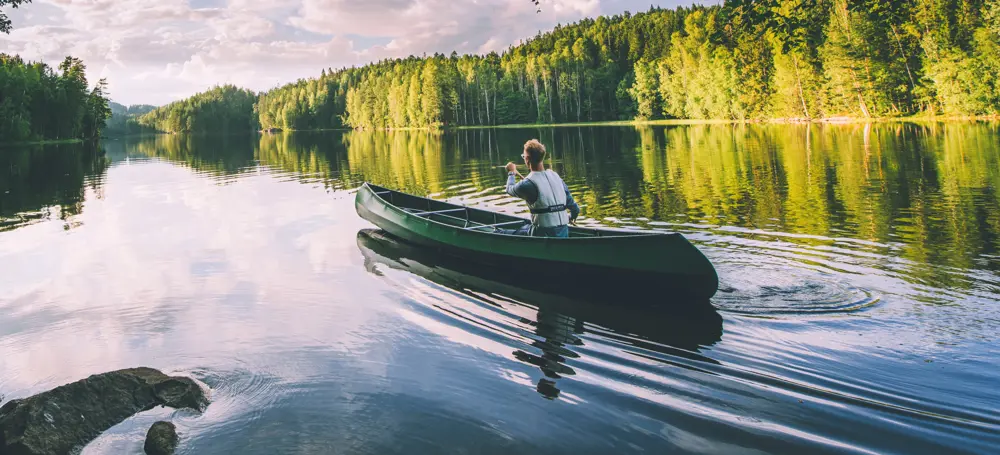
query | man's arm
(574,209)
(524,189)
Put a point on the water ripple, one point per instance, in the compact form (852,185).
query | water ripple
(775,290)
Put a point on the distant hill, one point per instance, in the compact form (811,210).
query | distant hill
(135,109)
(124,119)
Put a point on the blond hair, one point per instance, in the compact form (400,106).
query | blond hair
(535,151)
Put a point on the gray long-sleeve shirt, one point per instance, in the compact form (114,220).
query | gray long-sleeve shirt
(526,189)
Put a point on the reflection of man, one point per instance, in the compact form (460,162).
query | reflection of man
(558,333)
(546,194)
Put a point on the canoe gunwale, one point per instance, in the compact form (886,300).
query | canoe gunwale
(601,233)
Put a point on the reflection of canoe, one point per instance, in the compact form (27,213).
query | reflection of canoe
(635,261)
(700,325)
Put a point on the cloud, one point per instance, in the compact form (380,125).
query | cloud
(157,51)
(241,27)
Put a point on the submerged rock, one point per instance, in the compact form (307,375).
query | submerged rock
(161,439)
(67,417)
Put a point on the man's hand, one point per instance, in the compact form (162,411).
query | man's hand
(511,167)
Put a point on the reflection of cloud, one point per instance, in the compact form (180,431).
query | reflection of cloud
(126,290)
(156,51)
(456,334)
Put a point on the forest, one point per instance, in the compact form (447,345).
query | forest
(224,109)
(38,103)
(744,60)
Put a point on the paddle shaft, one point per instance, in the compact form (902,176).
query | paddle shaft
(515,171)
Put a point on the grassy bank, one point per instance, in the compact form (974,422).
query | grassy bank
(42,142)
(116,137)
(923,118)
(610,123)
(834,121)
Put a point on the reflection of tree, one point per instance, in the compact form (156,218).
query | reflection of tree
(806,204)
(308,156)
(933,187)
(954,212)
(38,179)
(217,155)
(412,161)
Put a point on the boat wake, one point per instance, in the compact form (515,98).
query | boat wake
(669,359)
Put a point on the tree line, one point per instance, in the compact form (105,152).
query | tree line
(39,103)
(223,109)
(743,60)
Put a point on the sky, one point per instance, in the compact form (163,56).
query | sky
(158,51)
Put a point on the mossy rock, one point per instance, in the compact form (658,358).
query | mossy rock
(68,417)
(161,439)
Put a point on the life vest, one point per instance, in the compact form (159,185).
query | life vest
(550,208)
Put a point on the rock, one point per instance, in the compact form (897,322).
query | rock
(161,439)
(68,417)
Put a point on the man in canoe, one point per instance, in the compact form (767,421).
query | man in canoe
(545,192)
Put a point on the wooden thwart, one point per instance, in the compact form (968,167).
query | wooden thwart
(467,221)
(494,225)
(437,212)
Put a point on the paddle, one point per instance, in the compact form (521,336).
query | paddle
(515,170)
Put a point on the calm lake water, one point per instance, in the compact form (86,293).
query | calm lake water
(858,310)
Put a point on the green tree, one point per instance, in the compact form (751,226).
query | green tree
(37,103)
(5,24)
(644,90)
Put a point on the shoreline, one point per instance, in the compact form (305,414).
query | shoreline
(130,136)
(42,142)
(686,122)
(777,121)
(634,123)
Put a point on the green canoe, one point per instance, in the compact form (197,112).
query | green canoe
(644,262)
